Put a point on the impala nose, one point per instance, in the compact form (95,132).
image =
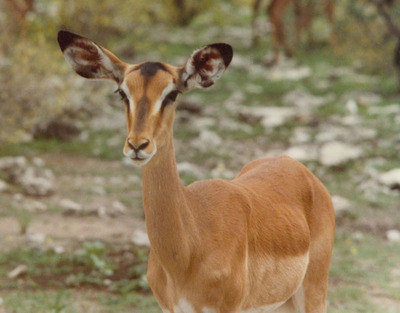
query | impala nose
(138,146)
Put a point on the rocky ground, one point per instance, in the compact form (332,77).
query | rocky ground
(332,118)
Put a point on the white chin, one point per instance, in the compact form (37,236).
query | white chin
(141,162)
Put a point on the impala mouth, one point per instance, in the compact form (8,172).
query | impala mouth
(139,158)
(140,161)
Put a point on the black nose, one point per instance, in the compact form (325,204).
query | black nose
(142,146)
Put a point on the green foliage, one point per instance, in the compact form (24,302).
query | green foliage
(95,254)
(364,35)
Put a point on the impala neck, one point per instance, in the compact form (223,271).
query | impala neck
(166,210)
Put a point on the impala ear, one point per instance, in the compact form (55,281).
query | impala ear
(89,59)
(205,66)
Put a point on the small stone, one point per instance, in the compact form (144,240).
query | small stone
(301,135)
(58,249)
(210,138)
(36,237)
(37,182)
(35,206)
(140,238)
(102,212)
(18,271)
(272,117)
(302,153)
(340,204)
(117,208)
(391,178)
(38,162)
(190,169)
(336,153)
(70,207)
(393,235)
(3,186)
(98,190)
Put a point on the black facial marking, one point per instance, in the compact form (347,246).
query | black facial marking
(149,69)
(170,98)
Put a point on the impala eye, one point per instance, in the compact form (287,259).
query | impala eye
(170,98)
(122,94)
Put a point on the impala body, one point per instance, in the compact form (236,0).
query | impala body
(259,243)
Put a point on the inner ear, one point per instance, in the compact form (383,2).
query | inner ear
(89,59)
(206,65)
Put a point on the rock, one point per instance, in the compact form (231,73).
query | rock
(140,238)
(102,211)
(190,169)
(391,178)
(340,204)
(391,109)
(336,153)
(117,208)
(35,183)
(3,186)
(352,106)
(98,190)
(301,135)
(207,140)
(34,179)
(70,207)
(369,98)
(38,162)
(13,167)
(37,238)
(18,271)
(35,206)
(287,70)
(393,235)
(58,249)
(272,117)
(303,100)
(302,153)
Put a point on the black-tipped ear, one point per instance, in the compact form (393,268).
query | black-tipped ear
(89,59)
(226,52)
(66,39)
(205,66)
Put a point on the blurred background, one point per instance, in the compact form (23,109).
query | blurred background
(72,235)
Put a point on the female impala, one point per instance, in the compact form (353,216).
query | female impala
(259,243)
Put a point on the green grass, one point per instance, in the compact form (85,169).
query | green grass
(95,146)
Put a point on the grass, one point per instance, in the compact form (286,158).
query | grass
(361,273)
(98,278)
(95,146)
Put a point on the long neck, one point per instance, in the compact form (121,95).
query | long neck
(167,214)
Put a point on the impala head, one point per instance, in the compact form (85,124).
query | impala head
(148,90)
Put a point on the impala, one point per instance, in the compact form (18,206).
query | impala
(259,243)
(304,14)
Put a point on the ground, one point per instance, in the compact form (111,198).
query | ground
(72,250)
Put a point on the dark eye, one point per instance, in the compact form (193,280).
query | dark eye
(122,94)
(170,98)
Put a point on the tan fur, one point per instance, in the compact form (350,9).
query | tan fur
(253,244)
